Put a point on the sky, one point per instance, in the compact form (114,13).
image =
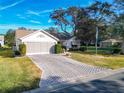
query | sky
(33,14)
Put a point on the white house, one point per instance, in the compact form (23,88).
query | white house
(72,43)
(109,43)
(2,40)
(37,42)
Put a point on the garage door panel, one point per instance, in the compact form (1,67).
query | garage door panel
(40,48)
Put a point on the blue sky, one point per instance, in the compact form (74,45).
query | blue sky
(32,13)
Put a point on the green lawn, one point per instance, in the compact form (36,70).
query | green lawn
(108,61)
(17,74)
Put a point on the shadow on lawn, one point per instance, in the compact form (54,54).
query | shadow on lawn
(20,87)
(95,86)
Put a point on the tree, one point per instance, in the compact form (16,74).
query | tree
(85,27)
(118,26)
(65,18)
(73,12)
(102,13)
(22,28)
(118,29)
(52,30)
(10,37)
(59,18)
(119,5)
(59,34)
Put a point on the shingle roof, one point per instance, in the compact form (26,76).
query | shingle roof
(112,40)
(22,33)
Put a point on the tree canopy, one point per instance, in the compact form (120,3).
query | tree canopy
(83,21)
(10,37)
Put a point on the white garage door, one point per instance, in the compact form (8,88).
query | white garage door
(39,48)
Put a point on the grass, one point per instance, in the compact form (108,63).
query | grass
(108,61)
(17,74)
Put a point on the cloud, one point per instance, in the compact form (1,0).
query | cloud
(7,26)
(20,16)
(30,12)
(11,5)
(49,21)
(46,11)
(33,13)
(34,21)
(15,26)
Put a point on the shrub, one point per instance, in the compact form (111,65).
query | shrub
(64,47)
(22,49)
(116,50)
(73,49)
(17,53)
(83,48)
(117,45)
(58,48)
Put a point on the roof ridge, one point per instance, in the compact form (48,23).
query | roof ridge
(43,31)
(50,35)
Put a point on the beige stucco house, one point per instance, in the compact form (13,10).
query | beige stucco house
(37,42)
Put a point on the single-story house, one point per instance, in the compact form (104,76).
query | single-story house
(72,43)
(109,43)
(37,42)
(1,40)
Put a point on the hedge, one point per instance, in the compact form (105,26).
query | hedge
(58,48)
(83,48)
(22,49)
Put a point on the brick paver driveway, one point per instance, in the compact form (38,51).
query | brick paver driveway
(60,71)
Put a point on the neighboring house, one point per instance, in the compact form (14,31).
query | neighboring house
(72,43)
(37,42)
(2,40)
(109,43)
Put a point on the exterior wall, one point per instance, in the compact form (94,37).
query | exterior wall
(70,42)
(2,40)
(105,44)
(37,43)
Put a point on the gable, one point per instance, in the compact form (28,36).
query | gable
(38,36)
